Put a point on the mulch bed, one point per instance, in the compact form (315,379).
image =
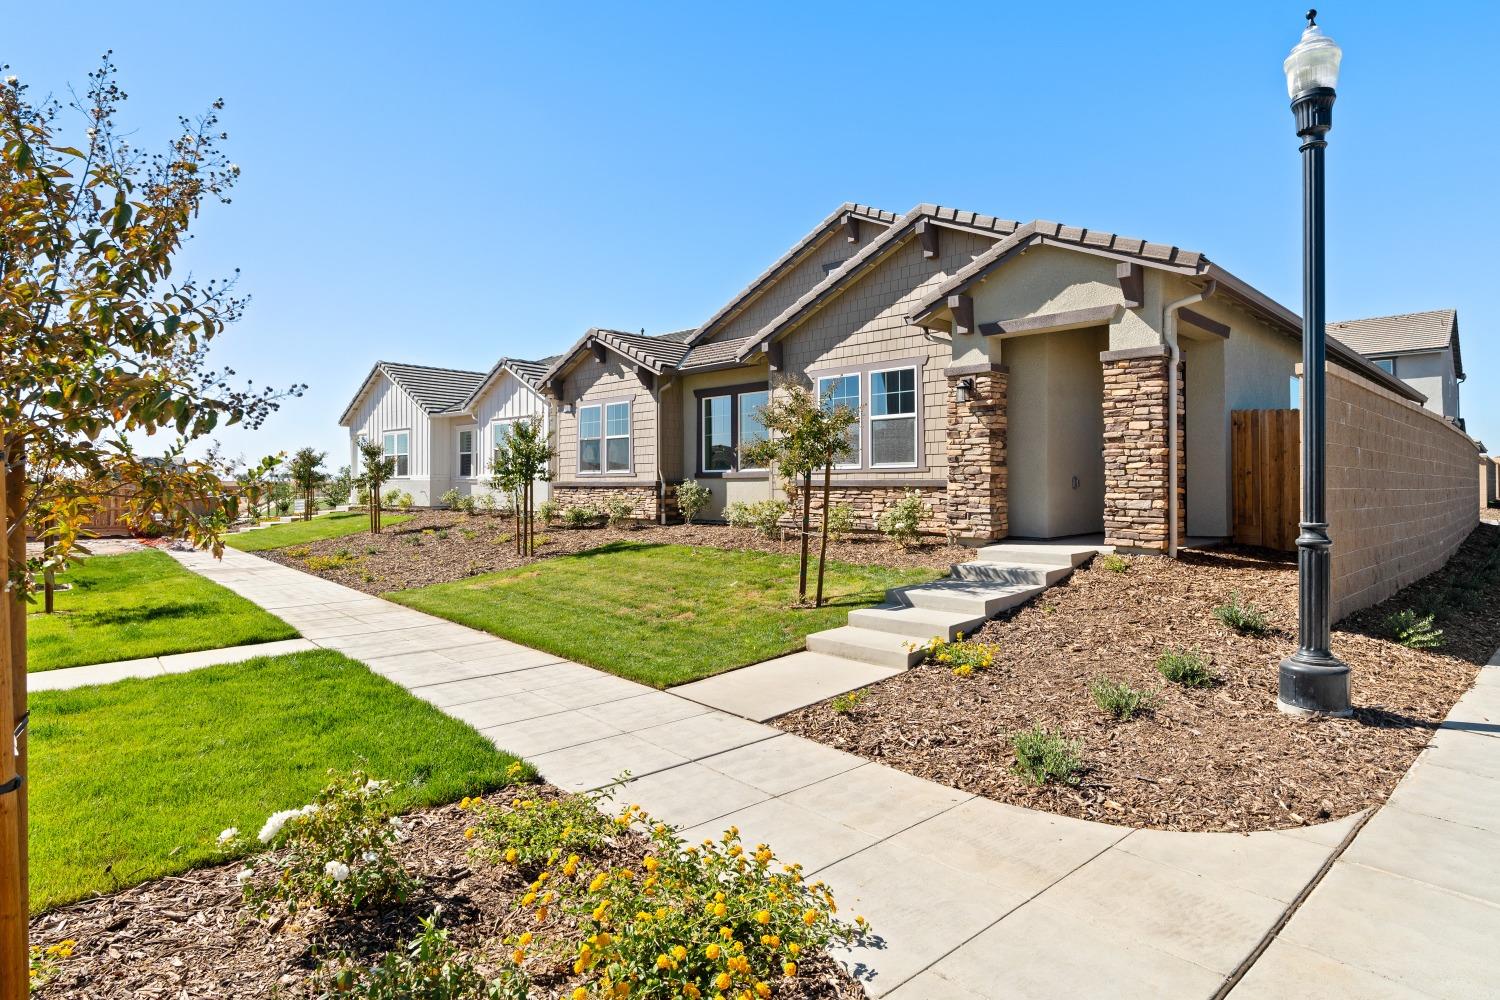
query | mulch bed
(1217,758)
(439,546)
(188,936)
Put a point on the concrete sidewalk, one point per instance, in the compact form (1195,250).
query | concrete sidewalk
(970,898)
(64,678)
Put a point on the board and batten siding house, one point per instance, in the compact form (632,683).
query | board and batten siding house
(441,425)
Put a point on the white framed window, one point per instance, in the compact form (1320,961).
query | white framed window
(397,445)
(893,418)
(751,430)
(590,439)
(499,433)
(718,434)
(843,390)
(466,453)
(617,437)
(1389,364)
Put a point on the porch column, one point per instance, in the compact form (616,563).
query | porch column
(977,499)
(1135,449)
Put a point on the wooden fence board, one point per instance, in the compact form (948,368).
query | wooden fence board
(1265,448)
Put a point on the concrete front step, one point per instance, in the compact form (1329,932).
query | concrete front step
(1010,574)
(969,597)
(866,645)
(1037,553)
(916,623)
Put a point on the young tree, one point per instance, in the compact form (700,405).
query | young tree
(99,344)
(523,459)
(307,475)
(377,469)
(805,434)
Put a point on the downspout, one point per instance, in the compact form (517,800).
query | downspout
(1169,330)
(661,479)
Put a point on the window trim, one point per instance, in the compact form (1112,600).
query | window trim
(733,392)
(603,405)
(862,371)
(386,453)
(858,375)
(916,426)
(458,456)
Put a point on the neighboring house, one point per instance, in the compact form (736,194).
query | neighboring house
(1016,376)
(441,425)
(1421,349)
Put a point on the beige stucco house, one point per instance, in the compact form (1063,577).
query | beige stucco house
(1421,349)
(1016,375)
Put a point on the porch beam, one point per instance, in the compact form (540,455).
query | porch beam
(1132,279)
(1071,319)
(962,307)
(1203,323)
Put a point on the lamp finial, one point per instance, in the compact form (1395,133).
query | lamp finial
(1312,18)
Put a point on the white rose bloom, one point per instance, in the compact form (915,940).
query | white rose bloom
(244,875)
(308,809)
(225,836)
(275,822)
(336,870)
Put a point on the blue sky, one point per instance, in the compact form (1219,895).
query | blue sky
(450,183)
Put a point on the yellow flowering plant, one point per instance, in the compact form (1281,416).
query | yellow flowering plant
(536,830)
(44,961)
(430,967)
(961,656)
(711,920)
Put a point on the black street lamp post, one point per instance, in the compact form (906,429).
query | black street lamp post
(1312,680)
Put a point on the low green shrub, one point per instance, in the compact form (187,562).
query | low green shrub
(582,517)
(430,967)
(531,832)
(845,703)
(840,520)
(321,564)
(1412,630)
(1119,699)
(1043,755)
(1244,617)
(737,514)
(485,503)
(339,851)
(547,511)
(766,515)
(296,551)
(1114,563)
(1187,667)
(621,512)
(901,522)
(396,499)
(692,497)
(961,656)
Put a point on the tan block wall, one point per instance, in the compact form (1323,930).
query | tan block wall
(977,496)
(1136,457)
(1402,491)
(611,379)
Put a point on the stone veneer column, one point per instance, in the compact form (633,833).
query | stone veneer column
(1135,449)
(977,500)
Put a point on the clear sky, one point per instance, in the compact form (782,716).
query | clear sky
(449,183)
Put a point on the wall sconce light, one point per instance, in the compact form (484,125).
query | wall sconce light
(965,389)
(567,408)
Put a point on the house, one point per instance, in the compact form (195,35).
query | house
(1421,349)
(441,425)
(1015,375)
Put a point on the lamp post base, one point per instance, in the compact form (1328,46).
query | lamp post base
(1314,684)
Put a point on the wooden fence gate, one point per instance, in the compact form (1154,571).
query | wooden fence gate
(1266,448)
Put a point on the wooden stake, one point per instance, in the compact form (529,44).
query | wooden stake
(14,976)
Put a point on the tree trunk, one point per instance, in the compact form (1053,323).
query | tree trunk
(530,524)
(806,527)
(823,545)
(49,578)
(515,506)
(14,979)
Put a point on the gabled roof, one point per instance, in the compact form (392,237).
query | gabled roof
(436,390)
(714,354)
(657,353)
(784,263)
(529,372)
(870,254)
(1405,333)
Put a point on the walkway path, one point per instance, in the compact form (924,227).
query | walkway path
(971,898)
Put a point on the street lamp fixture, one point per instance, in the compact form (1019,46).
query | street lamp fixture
(1312,680)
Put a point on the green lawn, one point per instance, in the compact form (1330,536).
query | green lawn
(335,525)
(141,604)
(134,780)
(659,614)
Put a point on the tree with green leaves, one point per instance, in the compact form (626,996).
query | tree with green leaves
(805,434)
(100,345)
(523,458)
(306,470)
(376,469)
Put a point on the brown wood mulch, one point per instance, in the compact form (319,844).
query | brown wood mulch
(187,937)
(438,546)
(1218,758)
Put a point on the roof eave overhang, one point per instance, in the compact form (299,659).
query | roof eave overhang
(364,387)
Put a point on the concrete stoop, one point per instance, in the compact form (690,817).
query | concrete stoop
(1003,576)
